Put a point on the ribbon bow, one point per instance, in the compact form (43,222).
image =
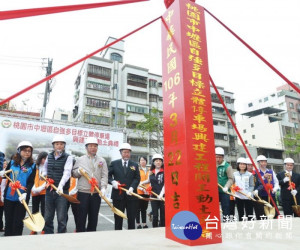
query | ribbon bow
(49,183)
(14,186)
(94,183)
(269,187)
(119,187)
(292,186)
(236,188)
(149,189)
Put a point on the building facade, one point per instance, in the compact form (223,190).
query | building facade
(111,93)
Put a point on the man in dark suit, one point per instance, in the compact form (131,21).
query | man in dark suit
(124,171)
(286,192)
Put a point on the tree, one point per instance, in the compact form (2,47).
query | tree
(152,127)
(292,144)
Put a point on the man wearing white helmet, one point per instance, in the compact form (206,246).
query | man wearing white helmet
(58,167)
(285,178)
(126,172)
(268,176)
(95,166)
(225,179)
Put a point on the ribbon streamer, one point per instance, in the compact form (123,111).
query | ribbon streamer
(119,187)
(12,14)
(149,189)
(292,186)
(49,183)
(14,186)
(236,188)
(94,183)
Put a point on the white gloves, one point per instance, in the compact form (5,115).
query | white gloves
(249,194)
(294,192)
(78,170)
(115,184)
(2,173)
(255,192)
(130,191)
(161,194)
(274,190)
(2,198)
(59,190)
(73,191)
(103,191)
(22,197)
(37,190)
(286,179)
(142,189)
(225,189)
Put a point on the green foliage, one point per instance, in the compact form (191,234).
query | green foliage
(292,144)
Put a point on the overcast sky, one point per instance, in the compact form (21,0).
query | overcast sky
(272,27)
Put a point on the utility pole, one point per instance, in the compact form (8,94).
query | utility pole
(47,88)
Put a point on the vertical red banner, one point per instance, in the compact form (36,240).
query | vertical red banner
(192,201)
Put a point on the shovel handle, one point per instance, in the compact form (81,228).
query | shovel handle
(290,181)
(249,197)
(163,199)
(134,194)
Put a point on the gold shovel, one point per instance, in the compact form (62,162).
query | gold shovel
(296,207)
(142,186)
(263,201)
(269,211)
(114,209)
(68,197)
(35,222)
(140,197)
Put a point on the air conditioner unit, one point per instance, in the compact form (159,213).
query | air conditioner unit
(213,110)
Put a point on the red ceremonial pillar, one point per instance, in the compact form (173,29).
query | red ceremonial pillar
(192,202)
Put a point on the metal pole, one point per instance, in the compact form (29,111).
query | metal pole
(116,71)
(47,87)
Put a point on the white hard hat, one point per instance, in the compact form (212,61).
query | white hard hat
(157,156)
(288,160)
(248,161)
(125,146)
(219,151)
(91,140)
(58,138)
(241,160)
(261,158)
(25,144)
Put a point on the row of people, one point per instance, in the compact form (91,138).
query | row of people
(59,167)
(248,181)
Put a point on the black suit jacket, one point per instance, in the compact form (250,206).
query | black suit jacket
(284,192)
(130,179)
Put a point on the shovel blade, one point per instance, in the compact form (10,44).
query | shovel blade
(71,198)
(119,213)
(296,209)
(270,212)
(36,224)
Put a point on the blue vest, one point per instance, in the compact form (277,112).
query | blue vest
(56,169)
(269,171)
(19,175)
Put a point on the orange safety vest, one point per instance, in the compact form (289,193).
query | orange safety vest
(73,182)
(38,182)
(144,177)
(232,198)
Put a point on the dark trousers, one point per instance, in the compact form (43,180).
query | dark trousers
(245,208)
(1,217)
(131,207)
(75,212)
(55,203)
(287,207)
(142,210)
(232,207)
(14,215)
(36,201)
(89,206)
(158,206)
(225,204)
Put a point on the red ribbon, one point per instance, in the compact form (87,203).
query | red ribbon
(292,186)
(94,183)
(269,187)
(14,186)
(149,189)
(49,183)
(119,187)
(236,188)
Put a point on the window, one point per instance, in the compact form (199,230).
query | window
(98,86)
(131,124)
(266,99)
(137,142)
(219,136)
(160,99)
(253,136)
(291,105)
(246,142)
(152,83)
(137,81)
(136,109)
(153,98)
(229,125)
(99,72)
(97,103)
(244,131)
(252,125)
(137,94)
(159,84)
(294,115)
(116,57)
(95,119)
(250,104)
(64,117)
(296,125)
